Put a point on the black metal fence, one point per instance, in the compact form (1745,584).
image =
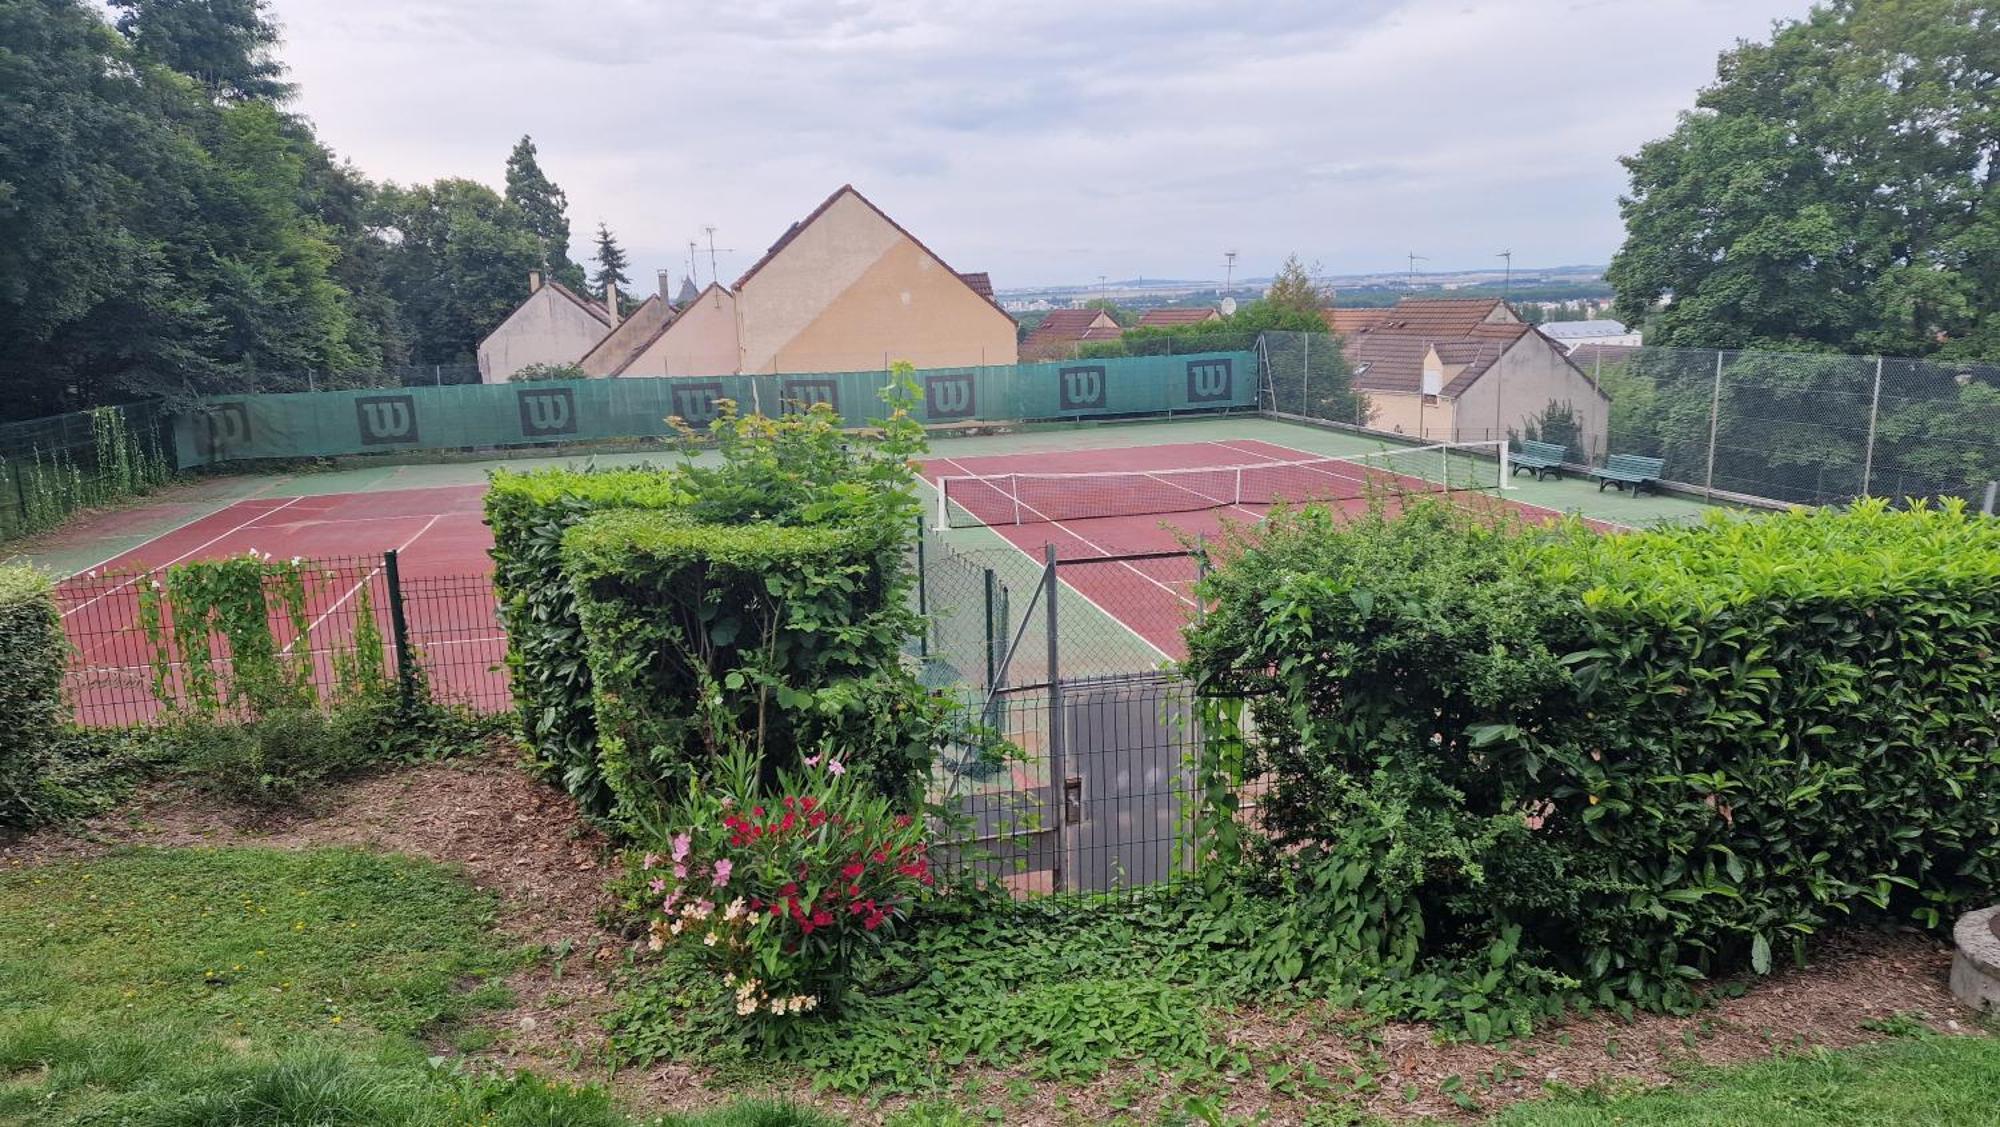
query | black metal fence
(333,625)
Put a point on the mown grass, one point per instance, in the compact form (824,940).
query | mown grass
(266,987)
(1926,1080)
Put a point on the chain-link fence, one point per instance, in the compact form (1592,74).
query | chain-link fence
(52,467)
(1794,428)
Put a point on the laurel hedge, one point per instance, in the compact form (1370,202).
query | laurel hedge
(32,651)
(529,513)
(1633,761)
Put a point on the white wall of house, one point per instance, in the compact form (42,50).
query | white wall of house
(548,328)
(702,341)
(1520,385)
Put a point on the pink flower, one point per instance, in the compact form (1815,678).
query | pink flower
(812,760)
(681,844)
(833,766)
(680,871)
(722,871)
(652,861)
(658,886)
(673,897)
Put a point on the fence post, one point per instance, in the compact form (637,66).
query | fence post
(1714,407)
(1305,380)
(1992,495)
(1058,768)
(992,639)
(399,631)
(923,601)
(1874,412)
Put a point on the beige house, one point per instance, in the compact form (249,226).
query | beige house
(1470,370)
(553,326)
(844,289)
(618,347)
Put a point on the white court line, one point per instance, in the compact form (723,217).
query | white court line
(1099,549)
(359,584)
(179,558)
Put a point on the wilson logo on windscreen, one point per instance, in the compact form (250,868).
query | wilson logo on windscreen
(949,397)
(386,419)
(1210,380)
(222,428)
(548,410)
(801,395)
(698,404)
(1080,388)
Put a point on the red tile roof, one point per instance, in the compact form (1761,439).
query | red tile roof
(1344,321)
(1163,317)
(1065,327)
(981,283)
(1388,354)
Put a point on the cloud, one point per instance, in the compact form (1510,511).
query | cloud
(1039,140)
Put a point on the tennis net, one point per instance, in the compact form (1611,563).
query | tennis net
(1029,498)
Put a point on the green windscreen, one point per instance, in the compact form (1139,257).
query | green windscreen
(323,424)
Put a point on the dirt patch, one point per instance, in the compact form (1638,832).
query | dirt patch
(525,841)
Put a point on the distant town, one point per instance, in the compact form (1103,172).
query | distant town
(1554,286)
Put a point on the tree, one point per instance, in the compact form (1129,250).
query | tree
(546,210)
(1294,291)
(1833,190)
(225,45)
(460,263)
(610,263)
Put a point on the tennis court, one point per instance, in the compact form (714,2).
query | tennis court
(1122,521)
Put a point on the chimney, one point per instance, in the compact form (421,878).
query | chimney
(666,287)
(534,280)
(611,302)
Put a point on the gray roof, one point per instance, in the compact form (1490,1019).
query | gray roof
(1580,330)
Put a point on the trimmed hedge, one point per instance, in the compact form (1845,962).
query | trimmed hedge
(771,631)
(33,651)
(1651,757)
(529,513)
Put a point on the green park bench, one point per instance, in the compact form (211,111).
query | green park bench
(1538,458)
(1621,470)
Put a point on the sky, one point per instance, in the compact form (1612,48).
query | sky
(1044,141)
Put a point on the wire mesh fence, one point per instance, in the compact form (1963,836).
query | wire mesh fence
(1759,426)
(52,467)
(317,631)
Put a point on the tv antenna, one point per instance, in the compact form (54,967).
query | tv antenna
(1507,286)
(1228,272)
(710,228)
(1414,259)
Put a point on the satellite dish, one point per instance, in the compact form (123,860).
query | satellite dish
(1228,306)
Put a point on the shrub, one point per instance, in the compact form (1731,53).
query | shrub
(32,653)
(781,632)
(529,513)
(1638,759)
(780,896)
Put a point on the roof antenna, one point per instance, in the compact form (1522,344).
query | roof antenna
(1507,287)
(710,228)
(1414,259)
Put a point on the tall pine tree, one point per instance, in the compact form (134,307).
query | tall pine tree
(547,210)
(610,263)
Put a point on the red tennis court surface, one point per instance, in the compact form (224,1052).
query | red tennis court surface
(444,586)
(1164,497)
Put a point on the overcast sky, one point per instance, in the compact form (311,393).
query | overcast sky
(1042,140)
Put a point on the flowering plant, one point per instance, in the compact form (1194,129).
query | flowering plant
(780,893)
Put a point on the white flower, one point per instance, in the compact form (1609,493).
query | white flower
(708,940)
(735,910)
(745,1007)
(778,1006)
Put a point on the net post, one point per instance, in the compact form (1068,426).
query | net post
(1014,491)
(992,638)
(943,512)
(1238,499)
(1506,477)
(1058,766)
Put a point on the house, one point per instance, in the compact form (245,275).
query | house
(617,347)
(845,289)
(551,326)
(1571,334)
(1168,318)
(1063,330)
(1469,370)
(1345,321)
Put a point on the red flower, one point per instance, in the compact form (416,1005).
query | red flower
(808,802)
(756,811)
(852,870)
(791,803)
(902,821)
(788,822)
(789,890)
(822,918)
(816,819)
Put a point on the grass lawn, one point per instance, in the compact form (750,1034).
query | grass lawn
(1909,1082)
(252,986)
